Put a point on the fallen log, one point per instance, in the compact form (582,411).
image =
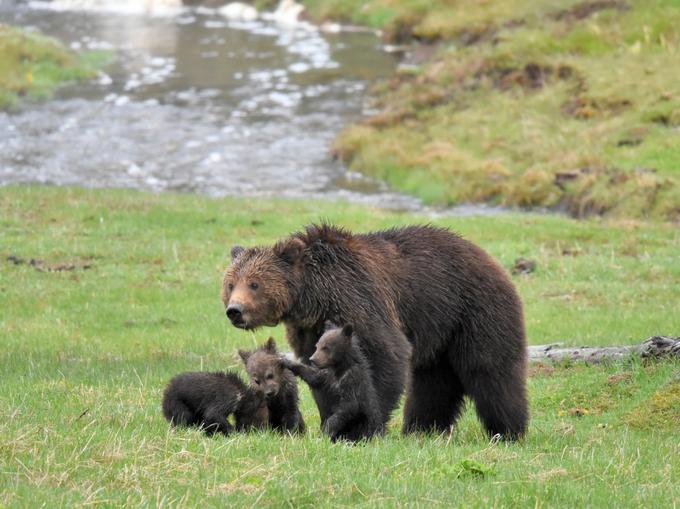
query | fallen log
(655,347)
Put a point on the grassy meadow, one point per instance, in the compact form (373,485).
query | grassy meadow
(104,295)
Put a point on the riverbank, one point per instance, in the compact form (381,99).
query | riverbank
(106,294)
(33,65)
(564,106)
(573,106)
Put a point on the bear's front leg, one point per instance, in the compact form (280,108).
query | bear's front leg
(345,413)
(293,422)
(388,352)
(302,341)
(312,376)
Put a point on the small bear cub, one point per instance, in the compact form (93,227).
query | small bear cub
(341,380)
(207,400)
(277,386)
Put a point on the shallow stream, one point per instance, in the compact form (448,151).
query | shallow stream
(196,103)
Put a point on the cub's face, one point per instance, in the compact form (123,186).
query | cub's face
(332,347)
(258,283)
(264,370)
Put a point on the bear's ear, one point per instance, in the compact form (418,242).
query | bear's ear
(348,330)
(236,251)
(270,345)
(291,251)
(245,355)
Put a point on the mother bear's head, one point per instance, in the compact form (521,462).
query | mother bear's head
(261,283)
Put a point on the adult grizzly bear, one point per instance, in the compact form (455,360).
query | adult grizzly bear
(424,301)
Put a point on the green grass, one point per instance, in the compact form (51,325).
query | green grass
(86,353)
(425,20)
(32,65)
(534,104)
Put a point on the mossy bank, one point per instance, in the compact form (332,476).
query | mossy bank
(33,65)
(569,105)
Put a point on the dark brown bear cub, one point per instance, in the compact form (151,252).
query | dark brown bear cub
(277,386)
(341,379)
(207,400)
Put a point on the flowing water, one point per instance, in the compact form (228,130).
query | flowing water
(196,103)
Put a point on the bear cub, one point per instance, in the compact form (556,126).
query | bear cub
(341,379)
(207,400)
(276,385)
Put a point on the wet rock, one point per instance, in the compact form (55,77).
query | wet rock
(288,12)
(238,11)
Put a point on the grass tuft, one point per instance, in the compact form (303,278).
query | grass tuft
(33,65)
(661,411)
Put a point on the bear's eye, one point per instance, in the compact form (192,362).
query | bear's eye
(254,286)
(324,348)
(256,381)
(230,286)
(270,376)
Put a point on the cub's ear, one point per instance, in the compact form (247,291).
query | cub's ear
(245,355)
(270,345)
(291,251)
(236,251)
(348,330)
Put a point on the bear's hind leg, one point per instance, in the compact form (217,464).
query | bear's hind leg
(215,420)
(501,403)
(434,399)
(178,413)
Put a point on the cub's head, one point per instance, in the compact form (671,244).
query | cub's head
(260,283)
(333,347)
(266,374)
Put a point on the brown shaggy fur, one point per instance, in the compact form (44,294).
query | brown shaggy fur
(207,400)
(426,303)
(343,382)
(276,385)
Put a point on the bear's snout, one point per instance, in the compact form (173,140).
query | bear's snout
(235,314)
